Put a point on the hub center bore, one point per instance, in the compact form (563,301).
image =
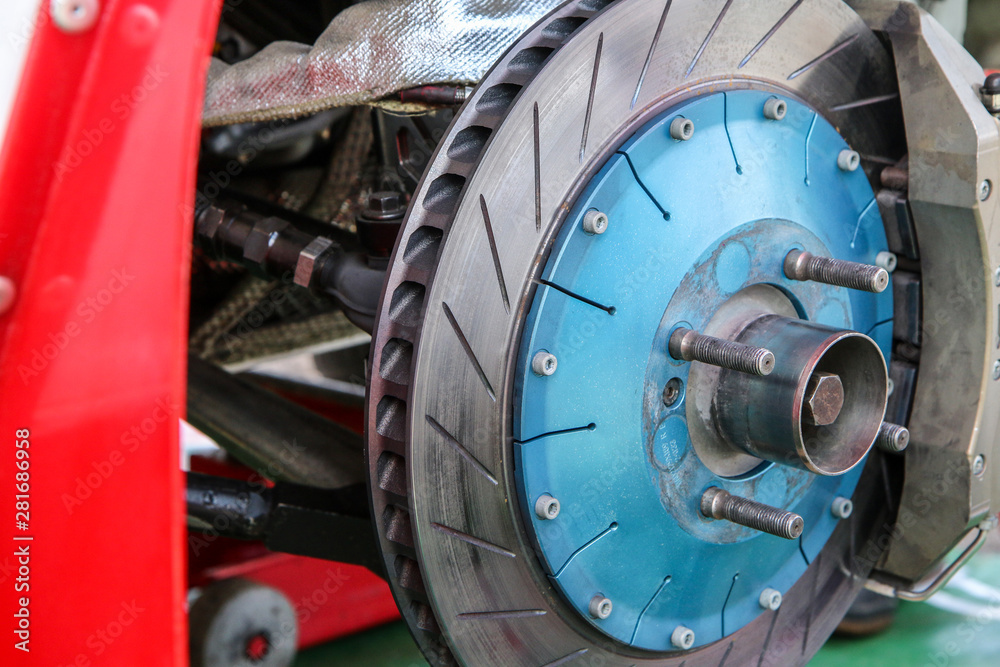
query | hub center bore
(821,408)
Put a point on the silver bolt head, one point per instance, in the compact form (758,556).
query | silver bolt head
(7,294)
(996,277)
(891,389)
(546,507)
(985,190)
(600,607)
(672,392)
(979,465)
(824,399)
(775,109)
(887,260)
(842,508)
(682,638)
(996,371)
(770,599)
(681,129)
(544,363)
(74,16)
(848,160)
(595,222)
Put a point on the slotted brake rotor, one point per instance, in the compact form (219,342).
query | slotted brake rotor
(621,404)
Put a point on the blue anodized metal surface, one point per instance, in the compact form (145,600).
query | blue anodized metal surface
(727,204)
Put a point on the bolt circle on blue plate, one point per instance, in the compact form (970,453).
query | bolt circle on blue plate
(694,224)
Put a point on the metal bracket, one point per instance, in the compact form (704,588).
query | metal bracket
(889,586)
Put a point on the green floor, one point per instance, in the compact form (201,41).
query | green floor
(959,628)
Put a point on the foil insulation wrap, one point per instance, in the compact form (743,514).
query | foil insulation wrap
(370,50)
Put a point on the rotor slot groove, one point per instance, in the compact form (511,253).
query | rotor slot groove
(473,540)
(467,346)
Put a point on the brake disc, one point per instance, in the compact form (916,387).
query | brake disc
(538,456)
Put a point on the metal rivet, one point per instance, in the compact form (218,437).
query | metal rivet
(7,294)
(595,222)
(681,129)
(770,599)
(775,109)
(887,260)
(842,508)
(848,160)
(544,363)
(979,465)
(600,607)
(682,638)
(985,190)
(74,16)
(546,507)
(672,391)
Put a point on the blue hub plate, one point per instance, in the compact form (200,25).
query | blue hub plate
(722,208)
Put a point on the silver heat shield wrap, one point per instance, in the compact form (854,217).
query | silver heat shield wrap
(370,50)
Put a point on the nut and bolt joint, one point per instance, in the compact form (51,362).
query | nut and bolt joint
(546,507)
(824,399)
(600,607)
(544,363)
(595,222)
(74,16)
(848,160)
(770,599)
(887,260)
(672,392)
(985,190)
(682,638)
(775,109)
(681,129)
(979,465)
(842,508)
(385,205)
(991,94)
(717,503)
(688,345)
(892,438)
(804,266)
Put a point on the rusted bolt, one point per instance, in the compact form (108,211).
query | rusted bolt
(824,399)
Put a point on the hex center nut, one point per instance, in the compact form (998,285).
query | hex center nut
(824,399)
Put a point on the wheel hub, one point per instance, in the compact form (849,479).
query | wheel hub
(628,438)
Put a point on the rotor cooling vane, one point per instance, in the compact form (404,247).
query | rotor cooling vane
(632,353)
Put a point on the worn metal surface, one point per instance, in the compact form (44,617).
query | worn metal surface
(957,402)
(480,585)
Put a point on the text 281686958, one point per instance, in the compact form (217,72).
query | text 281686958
(22,539)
